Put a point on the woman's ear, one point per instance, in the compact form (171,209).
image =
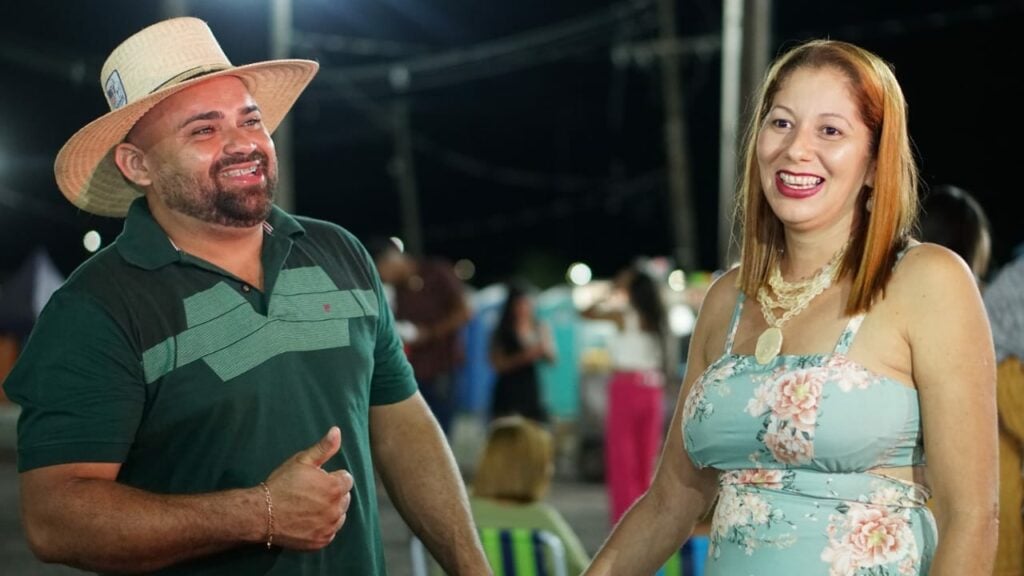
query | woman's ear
(131,160)
(869,178)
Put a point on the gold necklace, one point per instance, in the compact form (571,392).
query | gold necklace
(792,298)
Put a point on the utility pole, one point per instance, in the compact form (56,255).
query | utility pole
(745,41)
(403,164)
(677,152)
(280,47)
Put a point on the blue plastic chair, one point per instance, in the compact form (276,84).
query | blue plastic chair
(690,559)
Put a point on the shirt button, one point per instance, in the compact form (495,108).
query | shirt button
(245,288)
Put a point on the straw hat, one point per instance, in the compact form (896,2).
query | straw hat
(149,66)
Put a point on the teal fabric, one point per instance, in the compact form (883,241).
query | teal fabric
(195,382)
(802,443)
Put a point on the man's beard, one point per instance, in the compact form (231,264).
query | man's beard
(207,200)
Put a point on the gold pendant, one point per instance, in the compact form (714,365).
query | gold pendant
(769,343)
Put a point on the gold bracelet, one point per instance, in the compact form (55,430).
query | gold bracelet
(270,515)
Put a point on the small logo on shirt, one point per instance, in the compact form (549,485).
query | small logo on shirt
(327,308)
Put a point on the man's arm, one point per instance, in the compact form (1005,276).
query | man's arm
(78,514)
(420,475)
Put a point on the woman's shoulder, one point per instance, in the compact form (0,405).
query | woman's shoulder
(927,266)
(929,274)
(720,299)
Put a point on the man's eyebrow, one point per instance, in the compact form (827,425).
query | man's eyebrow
(215,115)
(212,115)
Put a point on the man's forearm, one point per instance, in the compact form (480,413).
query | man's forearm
(101,525)
(420,475)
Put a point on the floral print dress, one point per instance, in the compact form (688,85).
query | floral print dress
(800,442)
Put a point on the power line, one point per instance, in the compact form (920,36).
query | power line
(309,42)
(498,56)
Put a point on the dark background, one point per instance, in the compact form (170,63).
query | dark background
(524,162)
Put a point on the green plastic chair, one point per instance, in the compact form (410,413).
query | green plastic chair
(510,552)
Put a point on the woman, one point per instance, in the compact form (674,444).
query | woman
(640,360)
(512,480)
(830,361)
(519,344)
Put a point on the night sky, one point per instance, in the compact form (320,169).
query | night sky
(524,162)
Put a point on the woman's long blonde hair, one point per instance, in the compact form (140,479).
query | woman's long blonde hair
(878,234)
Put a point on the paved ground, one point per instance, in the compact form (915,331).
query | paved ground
(582,503)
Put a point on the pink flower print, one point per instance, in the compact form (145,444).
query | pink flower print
(764,396)
(878,536)
(721,372)
(848,374)
(759,476)
(797,396)
(887,496)
(865,537)
(758,509)
(788,445)
(841,560)
(908,567)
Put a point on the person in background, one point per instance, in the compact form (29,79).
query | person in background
(186,393)
(511,481)
(641,361)
(519,344)
(431,308)
(951,217)
(826,366)
(1004,300)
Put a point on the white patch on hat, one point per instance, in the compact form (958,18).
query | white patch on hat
(114,90)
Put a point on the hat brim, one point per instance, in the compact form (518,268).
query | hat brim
(85,169)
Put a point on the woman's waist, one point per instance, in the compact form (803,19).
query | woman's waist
(873,487)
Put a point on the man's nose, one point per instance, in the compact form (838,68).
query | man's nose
(238,141)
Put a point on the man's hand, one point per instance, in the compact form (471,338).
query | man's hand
(310,503)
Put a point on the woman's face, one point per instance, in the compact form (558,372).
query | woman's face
(523,308)
(814,151)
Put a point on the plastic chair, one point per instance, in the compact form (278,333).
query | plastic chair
(510,552)
(690,559)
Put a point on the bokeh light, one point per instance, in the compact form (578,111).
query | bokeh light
(579,274)
(92,241)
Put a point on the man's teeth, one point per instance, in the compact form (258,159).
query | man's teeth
(239,172)
(799,181)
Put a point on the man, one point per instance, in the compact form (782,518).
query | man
(204,396)
(430,304)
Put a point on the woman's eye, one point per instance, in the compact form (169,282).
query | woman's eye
(831,131)
(781,123)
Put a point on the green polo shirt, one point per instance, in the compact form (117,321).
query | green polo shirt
(195,382)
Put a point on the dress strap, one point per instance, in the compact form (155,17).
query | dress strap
(849,333)
(846,338)
(734,322)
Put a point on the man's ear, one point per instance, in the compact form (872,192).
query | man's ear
(131,160)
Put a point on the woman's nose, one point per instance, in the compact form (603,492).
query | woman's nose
(800,146)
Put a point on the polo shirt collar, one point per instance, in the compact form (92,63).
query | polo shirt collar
(144,243)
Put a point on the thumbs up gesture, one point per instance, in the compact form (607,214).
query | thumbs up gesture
(309,503)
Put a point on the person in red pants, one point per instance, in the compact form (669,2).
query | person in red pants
(641,356)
